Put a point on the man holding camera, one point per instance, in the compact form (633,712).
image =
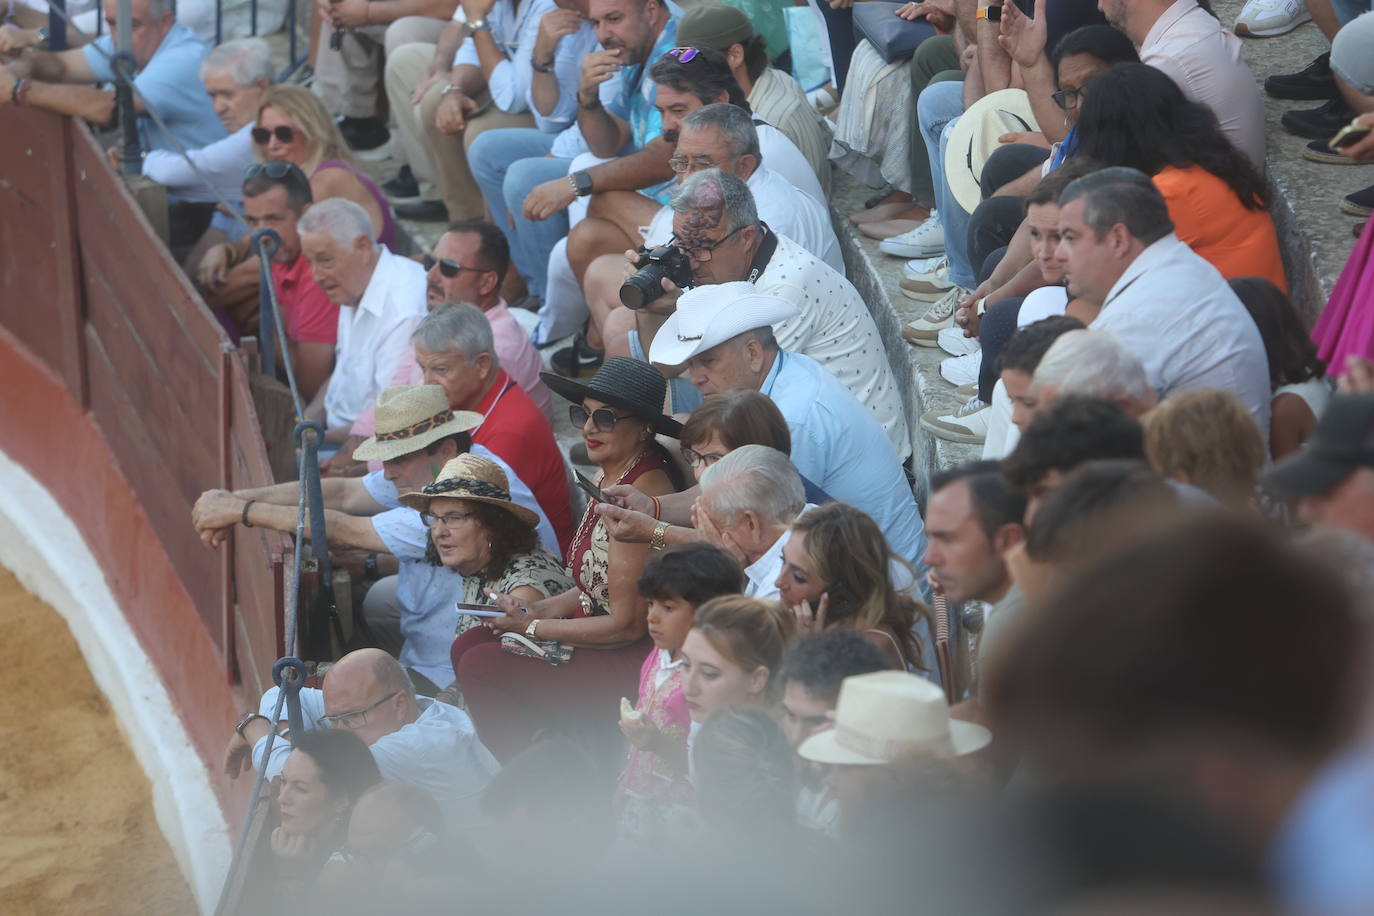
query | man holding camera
(719,238)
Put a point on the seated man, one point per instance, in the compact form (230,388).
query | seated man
(418,740)
(381,298)
(445,95)
(773,95)
(1091,364)
(310,319)
(1159,299)
(811,674)
(167,58)
(1333,478)
(411,613)
(455,349)
(237,75)
(725,337)
(397,842)
(749,500)
(716,223)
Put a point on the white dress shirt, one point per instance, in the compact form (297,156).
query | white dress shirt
(514,29)
(438,752)
(762,574)
(1182,321)
(224,162)
(374,337)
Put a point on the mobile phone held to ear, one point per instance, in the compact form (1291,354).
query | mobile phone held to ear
(590,488)
(1349,135)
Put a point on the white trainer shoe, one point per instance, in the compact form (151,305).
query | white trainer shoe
(928,285)
(962,370)
(925,241)
(924,331)
(916,268)
(968,424)
(953,342)
(1267,18)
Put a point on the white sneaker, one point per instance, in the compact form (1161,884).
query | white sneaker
(962,370)
(917,268)
(924,331)
(929,285)
(925,241)
(1267,18)
(953,342)
(968,424)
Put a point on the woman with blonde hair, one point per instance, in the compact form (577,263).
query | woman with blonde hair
(837,571)
(293,126)
(733,654)
(1205,437)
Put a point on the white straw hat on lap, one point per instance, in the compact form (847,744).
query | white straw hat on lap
(710,315)
(409,417)
(974,137)
(889,714)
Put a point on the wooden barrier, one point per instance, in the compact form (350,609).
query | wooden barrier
(126,400)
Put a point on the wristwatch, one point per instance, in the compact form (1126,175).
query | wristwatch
(580,182)
(529,630)
(450,88)
(542,68)
(593,105)
(657,542)
(247,717)
(473,26)
(992,12)
(370,567)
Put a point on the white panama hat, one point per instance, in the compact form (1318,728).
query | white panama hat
(710,315)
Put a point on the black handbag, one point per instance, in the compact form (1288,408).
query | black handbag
(876,22)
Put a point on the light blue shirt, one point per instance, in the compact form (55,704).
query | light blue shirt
(567,70)
(429,595)
(170,85)
(438,752)
(1322,856)
(837,444)
(514,30)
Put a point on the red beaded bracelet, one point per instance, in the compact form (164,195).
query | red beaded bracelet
(658,507)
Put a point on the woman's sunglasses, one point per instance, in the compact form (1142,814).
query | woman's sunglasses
(1067,98)
(449,267)
(603,418)
(284,134)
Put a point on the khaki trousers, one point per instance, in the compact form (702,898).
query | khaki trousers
(439,160)
(349,80)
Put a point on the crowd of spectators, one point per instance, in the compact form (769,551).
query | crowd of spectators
(1123,655)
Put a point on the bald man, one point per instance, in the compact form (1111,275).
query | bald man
(424,742)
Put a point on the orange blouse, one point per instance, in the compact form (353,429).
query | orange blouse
(1211,220)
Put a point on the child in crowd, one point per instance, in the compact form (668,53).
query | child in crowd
(654,783)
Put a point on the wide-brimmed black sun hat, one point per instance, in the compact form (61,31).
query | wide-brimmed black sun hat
(635,387)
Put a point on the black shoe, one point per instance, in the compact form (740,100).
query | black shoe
(403,186)
(1318,123)
(1361,203)
(364,134)
(1320,151)
(423,211)
(1313,82)
(574,360)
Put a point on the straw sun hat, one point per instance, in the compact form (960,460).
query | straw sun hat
(476,479)
(409,417)
(888,714)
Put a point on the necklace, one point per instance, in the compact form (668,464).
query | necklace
(582,539)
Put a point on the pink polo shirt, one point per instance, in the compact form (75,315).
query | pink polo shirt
(307,313)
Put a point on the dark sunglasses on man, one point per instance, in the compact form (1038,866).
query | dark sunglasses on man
(284,134)
(449,267)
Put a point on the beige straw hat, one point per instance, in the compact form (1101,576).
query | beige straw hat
(409,417)
(475,479)
(974,138)
(889,714)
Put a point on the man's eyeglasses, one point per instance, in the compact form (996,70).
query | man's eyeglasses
(603,418)
(450,521)
(696,459)
(449,267)
(284,134)
(684,55)
(1067,99)
(680,164)
(702,253)
(355,719)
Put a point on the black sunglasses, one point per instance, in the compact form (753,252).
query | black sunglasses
(277,169)
(603,418)
(1067,98)
(449,267)
(284,134)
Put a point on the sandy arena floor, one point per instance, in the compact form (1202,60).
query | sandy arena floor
(77,832)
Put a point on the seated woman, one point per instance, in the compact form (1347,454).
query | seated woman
(1136,116)
(326,773)
(602,616)
(1206,438)
(836,572)
(1297,374)
(476,530)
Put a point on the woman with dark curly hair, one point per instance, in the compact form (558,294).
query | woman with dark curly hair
(1136,116)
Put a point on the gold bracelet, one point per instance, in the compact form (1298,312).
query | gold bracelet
(657,542)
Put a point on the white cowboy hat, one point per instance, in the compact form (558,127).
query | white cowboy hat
(973,138)
(409,417)
(888,714)
(476,479)
(710,315)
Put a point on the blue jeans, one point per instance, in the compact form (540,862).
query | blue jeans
(508,164)
(937,108)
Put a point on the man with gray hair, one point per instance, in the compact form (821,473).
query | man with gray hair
(749,500)
(1158,298)
(381,298)
(1093,364)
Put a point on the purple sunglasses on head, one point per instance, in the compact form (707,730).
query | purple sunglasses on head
(684,55)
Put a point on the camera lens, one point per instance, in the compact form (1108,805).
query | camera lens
(643,286)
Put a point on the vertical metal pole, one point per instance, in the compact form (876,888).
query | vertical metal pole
(291,33)
(131,152)
(57,25)
(266,242)
(219,21)
(253,16)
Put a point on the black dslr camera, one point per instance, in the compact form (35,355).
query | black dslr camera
(646,283)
